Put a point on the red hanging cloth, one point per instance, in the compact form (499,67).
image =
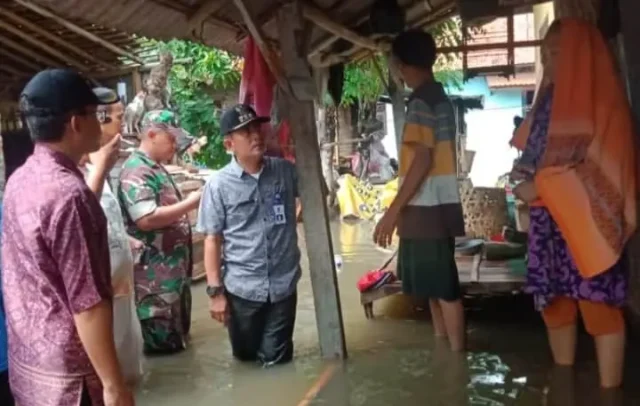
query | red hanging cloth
(257,89)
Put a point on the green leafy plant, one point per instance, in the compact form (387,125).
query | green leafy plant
(198,71)
(362,81)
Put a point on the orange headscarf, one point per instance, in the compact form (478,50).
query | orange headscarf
(587,176)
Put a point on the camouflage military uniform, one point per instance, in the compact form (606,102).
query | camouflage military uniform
(163,275)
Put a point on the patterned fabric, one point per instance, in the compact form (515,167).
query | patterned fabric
(587,175)
(430,122)
(261,255)
(163,276)
(55,255)
(551,269)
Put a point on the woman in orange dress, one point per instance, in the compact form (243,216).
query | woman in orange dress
(578,176)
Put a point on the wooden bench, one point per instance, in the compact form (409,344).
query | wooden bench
(477,276)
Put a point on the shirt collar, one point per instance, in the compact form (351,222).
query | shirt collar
(145,158)
(57,157)
(238,171)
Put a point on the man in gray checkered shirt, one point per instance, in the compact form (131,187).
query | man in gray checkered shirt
(248,214)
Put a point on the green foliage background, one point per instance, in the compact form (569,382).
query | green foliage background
(211,70)
(191,85)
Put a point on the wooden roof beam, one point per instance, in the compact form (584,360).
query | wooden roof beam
(21,60)
(261,41)
(321,19)
(208,8)
(52,37)
(13,71)
(78,30)
(327,42)
(28,52)
(42,45)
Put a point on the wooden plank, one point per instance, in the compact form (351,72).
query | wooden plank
(136,78)
(28,52)
(396,92)
(52,37)
(329,24)
(13,71)
(208,8)
(42,45)
(20,59)
(316,223)
(78,30)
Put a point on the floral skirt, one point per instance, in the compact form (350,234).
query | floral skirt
(551,271)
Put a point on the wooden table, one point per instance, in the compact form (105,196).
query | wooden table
(477,277)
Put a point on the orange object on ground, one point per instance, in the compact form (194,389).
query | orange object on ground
(599,318)
(587,178)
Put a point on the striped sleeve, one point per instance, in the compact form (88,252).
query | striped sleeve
(420,124)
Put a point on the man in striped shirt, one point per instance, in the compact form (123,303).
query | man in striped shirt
(427,210)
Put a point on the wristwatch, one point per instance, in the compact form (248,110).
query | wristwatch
(215,291)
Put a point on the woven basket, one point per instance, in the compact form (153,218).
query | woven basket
(485,210)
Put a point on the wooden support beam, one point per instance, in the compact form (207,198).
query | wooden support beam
(208,8)
(52,37)
(397,95)
(137,82)
(20,59)
(181,8)
(78,30)
(265,48)
(487,47)
(42,45)
(28,52)
(301,113)
(13,71)
(330,40)
(326,22)
(630,61)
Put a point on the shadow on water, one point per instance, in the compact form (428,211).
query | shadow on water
(393,359)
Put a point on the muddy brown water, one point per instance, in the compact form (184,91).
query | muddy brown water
(393,360)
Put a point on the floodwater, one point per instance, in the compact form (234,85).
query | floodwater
(393,360)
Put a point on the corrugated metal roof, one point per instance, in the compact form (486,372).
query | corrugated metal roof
(119,21)
(167,19)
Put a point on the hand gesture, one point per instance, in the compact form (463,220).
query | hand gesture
(121,396)
(219,309)
(107,156)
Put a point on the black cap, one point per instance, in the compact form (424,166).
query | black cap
(58,91)
(239,116)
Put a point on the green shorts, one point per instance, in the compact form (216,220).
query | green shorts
(427,268)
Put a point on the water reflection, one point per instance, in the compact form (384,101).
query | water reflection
(394,359)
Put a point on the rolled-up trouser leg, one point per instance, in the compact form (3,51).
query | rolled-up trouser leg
(276,346)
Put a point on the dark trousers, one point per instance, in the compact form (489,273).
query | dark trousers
(262,332)
(6,398)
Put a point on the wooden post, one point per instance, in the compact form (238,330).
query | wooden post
(301,113)
(630,30)
(397,94)
(136,78)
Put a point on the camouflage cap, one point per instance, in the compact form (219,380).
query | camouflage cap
(166,119)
